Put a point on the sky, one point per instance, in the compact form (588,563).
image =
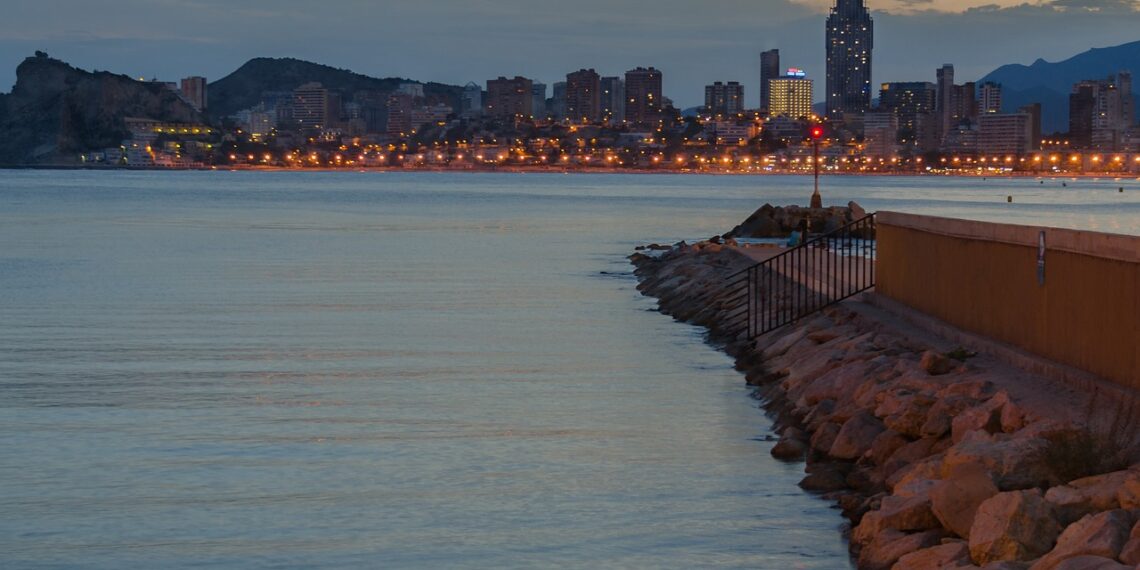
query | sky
(692,42)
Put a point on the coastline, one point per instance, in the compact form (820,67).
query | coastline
(938,457)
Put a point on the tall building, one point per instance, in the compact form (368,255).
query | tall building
(401,104)
(1034,112)
(989,98)
(509,98)
(583,96)
(850,34)
(194,91)
(1009,133)
(724,98)
(538,99)
(769,69)
(613,99)
(880,133)
(558,100)
(791,96)
(1101,112)
(943,104)
(471,101)
(909,100)
(310,106)
(643,96)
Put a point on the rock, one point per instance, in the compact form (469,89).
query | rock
(1014,463)
(890,545)
(885,445)
(792,445)
(909,454)
(985,417)
(824,478)
(926,468)
(935,557)
(1087,562)
(1130,553)
(1088,495)
(954,501)
(856,436)
(1102,534)
(935,364)
(1128,494)
(824,437)
(907,513)
(941,415)
(1015,525)
(1006,565)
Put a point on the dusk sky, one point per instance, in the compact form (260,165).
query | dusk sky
(693,43)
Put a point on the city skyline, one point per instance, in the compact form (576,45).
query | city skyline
(693,50)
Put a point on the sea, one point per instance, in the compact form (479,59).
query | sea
(403,370)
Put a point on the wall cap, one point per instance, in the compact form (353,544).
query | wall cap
(1117,247)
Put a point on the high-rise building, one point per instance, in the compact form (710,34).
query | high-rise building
(1034,112)
(643,96)
(194,91)
(880,133)
(791,96)
(310,106)
(724,98)
(944,104)
(400,107)
(583,96)
(1101,112)
(989,98)
(850,34)
(1005,133)
(909,100)
(471,101)
(558,100)
(769,69)
(538,99)
(509,98)
(613,99)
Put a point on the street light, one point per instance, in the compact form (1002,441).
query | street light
(816,134)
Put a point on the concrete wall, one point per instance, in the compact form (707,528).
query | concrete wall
(982,277)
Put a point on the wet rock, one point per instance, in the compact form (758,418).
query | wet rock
(792,445)
(1102,534)
(824,478)
(824,437)
(1015,525)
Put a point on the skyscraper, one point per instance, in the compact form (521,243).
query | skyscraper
(613,100)
(583,96)
(791,96)
(944,103)
(643,95)
(849,41)
(769,69)
(909,100)
(509,98)
(989,97)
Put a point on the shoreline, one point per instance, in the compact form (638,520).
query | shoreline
(1116,176)
(938,457)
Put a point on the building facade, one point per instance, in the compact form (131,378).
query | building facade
(310,106)
(643,96)
(791,96)
(509,98)
(850,38)
(724,98)
(471,101)
(989,98)
(583,96)
(194,92)
(613,99)
(1101,112)
(1005,133)
(769,69)
(910,101)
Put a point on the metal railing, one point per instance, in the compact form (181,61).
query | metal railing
(820,272)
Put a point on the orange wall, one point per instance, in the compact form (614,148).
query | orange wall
(1087,314)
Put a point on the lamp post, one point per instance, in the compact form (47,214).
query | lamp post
(816,134)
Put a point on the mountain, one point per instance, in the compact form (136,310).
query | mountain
(1050,83)
(243,88)
(56,111)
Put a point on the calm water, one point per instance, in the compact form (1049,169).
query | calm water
(353,370)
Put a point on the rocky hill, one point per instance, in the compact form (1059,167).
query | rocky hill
(56,111)
(243,88)
(1050,83)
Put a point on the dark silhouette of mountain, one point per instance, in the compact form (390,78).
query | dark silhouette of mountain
(243,88)
(56,111)
(1050,83)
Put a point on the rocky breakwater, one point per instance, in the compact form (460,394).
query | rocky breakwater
(939,458)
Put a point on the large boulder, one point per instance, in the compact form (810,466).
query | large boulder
(1015,463)
(1089,562)
(1015,525)
(1089,495)
(938,557)
(955,500)
(985,417)
(1102,534)
(792,445)
(890,545)
(856,436)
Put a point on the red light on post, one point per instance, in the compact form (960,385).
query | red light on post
(817,132)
